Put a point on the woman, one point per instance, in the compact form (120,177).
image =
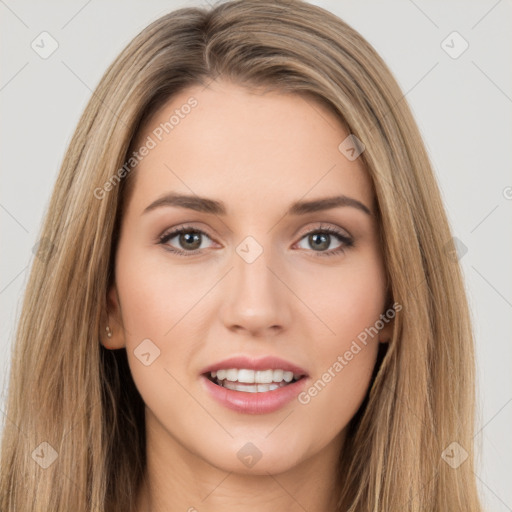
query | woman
(250,295)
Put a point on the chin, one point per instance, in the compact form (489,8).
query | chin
(257,455)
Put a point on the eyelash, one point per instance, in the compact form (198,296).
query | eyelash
(347,242)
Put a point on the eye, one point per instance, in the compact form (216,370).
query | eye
(188,239)
(321,239)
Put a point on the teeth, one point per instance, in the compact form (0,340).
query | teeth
(278,375)
(288,376)
(252,388)
(253,381)
(243,376)
(260,377)
(264,376)
(232,375)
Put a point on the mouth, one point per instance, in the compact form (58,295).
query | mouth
(253,381)
(249,385)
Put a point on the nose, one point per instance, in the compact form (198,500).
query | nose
(256,300)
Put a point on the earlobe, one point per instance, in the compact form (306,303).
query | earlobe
(386,333)
(388,319)
(112,331)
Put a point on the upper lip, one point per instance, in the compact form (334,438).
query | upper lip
(251,363)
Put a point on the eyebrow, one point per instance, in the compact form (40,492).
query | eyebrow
(205,205)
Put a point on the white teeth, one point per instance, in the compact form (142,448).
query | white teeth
(245,376)
(252,388)
(232,375)
(265,380)
(278,375)
(240,387)
(264,376)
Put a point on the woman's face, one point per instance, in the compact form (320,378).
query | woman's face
(254,276)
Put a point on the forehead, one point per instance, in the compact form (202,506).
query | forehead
(247,148)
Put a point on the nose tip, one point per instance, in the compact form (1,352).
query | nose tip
(256,300)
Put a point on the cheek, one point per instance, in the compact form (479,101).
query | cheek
(156,294)
(349,303)
(336,392)
(347,298)
(155,300)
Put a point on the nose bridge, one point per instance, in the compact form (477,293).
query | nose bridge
(255,298)
(251,268)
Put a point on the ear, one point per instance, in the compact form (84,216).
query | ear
(388,318)
(113,319)
(386,333)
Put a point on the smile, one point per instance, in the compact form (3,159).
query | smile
(253,381)
(250,385)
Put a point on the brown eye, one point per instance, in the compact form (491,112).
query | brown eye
(320,241)
(188,240)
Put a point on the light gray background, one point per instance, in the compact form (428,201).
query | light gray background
(463,107)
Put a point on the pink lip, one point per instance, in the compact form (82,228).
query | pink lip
(254,403)
(262,363)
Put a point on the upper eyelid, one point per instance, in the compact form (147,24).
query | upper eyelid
(325,226)
(182,227)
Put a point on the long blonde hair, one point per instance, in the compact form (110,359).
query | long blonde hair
(71,400)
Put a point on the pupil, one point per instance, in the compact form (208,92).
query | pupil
(319,240)
(189,239)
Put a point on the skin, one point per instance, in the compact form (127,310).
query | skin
(256,152)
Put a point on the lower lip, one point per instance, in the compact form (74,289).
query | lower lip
(254,403)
